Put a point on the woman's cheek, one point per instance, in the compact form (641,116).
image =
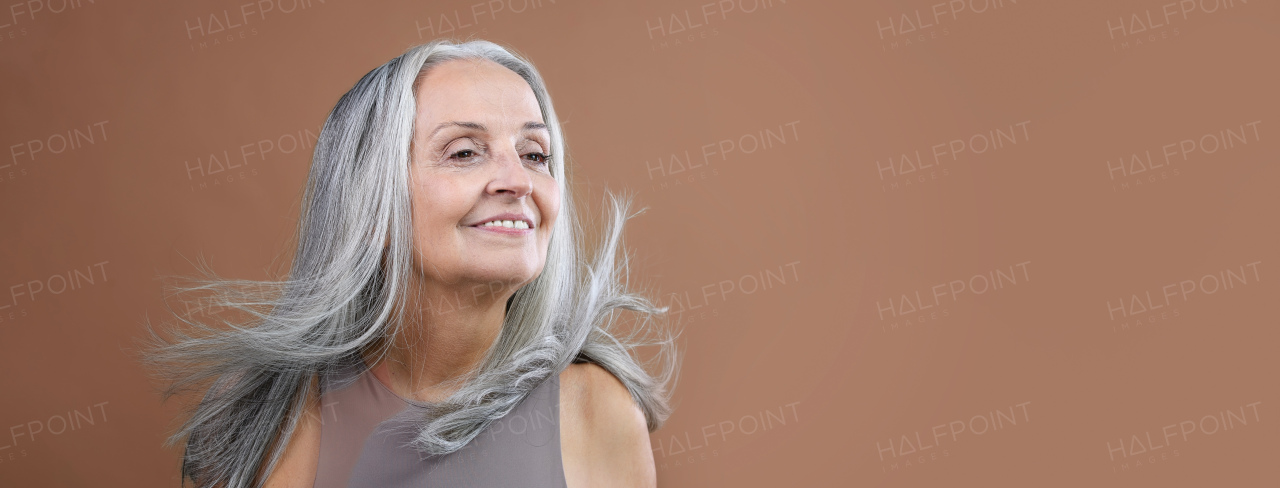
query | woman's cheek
(552,202)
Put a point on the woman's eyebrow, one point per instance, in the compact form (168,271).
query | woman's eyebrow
(468,125)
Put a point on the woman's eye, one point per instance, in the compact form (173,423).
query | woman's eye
(463,154)
(540,158)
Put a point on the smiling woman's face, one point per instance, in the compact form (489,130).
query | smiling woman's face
(479,148)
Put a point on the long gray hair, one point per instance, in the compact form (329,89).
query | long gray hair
(344,296)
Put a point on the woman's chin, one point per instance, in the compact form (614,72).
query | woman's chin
(512,275)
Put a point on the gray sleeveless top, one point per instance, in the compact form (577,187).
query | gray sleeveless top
(366,429)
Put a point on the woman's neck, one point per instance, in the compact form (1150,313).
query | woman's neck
(445,333)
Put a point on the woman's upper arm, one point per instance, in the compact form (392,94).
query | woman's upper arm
(612,445)
(301,457)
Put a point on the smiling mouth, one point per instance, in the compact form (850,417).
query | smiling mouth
(504,224)
(510,228)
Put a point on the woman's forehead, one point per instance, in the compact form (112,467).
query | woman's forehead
(476,89)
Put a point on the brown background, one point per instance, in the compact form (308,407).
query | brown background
(829,356)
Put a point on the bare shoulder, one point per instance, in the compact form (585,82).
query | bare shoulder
(301,458)
(604,438)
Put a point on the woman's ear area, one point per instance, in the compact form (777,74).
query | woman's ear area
(410,157)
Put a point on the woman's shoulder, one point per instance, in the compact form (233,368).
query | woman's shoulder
(301,457)
(603,432)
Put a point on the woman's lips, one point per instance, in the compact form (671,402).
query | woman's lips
(497,229)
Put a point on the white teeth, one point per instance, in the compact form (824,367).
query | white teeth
(517,224)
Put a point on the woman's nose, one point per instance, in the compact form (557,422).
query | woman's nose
(510,175)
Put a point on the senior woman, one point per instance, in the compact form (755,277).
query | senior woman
(440,324)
